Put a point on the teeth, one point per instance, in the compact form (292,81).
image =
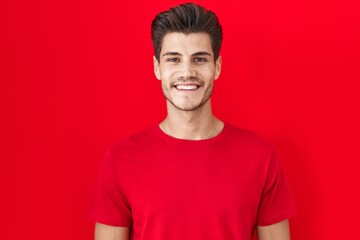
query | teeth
(186,87)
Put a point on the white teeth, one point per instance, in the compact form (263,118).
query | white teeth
(186,87)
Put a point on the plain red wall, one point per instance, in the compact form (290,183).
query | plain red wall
(77,75)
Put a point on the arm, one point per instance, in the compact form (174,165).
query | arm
(277,231)
(106,232)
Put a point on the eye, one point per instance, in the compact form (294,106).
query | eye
(200,59)
(173,60)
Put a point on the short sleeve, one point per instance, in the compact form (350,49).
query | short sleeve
(277,202)
(108,205)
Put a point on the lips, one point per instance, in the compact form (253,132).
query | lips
(187,87)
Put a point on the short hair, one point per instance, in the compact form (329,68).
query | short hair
(186,18)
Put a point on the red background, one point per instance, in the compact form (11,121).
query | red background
(77,76)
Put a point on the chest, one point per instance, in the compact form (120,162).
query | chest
(193,184)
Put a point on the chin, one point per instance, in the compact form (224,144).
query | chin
(188,107)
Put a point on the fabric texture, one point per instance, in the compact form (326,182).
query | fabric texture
(216,189)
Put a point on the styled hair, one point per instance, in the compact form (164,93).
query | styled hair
(186,18)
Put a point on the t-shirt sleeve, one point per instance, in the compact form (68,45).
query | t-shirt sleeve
(108,205)
(277,202)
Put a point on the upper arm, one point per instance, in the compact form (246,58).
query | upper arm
(107,232)
(277,231)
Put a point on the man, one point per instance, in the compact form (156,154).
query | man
(192,176)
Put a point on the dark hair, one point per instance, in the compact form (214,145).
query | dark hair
(186,18)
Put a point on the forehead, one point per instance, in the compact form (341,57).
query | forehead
(186,44)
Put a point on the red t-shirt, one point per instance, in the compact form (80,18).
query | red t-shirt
(215,189)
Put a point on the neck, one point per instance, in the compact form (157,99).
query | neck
(199,124)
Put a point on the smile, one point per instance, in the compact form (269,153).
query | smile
(187,87)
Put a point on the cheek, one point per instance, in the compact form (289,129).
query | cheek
(207,75)
(166,79)
(168,76)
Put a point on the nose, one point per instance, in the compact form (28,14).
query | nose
(187,71)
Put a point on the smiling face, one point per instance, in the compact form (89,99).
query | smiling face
(187,70)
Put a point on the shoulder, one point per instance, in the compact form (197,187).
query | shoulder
(247,139)
(251,148)
(136,143)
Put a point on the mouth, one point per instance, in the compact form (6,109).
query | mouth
(187,87)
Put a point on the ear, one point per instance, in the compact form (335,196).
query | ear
(218,67)
(156,68)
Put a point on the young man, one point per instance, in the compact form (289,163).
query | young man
(192,176)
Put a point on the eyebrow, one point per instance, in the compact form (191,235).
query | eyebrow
(178,54)
(171,54)
(201,54)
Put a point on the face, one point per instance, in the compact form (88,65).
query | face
(187,70)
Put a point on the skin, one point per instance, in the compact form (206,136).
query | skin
(187,62)
(277,231)
(106,232)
